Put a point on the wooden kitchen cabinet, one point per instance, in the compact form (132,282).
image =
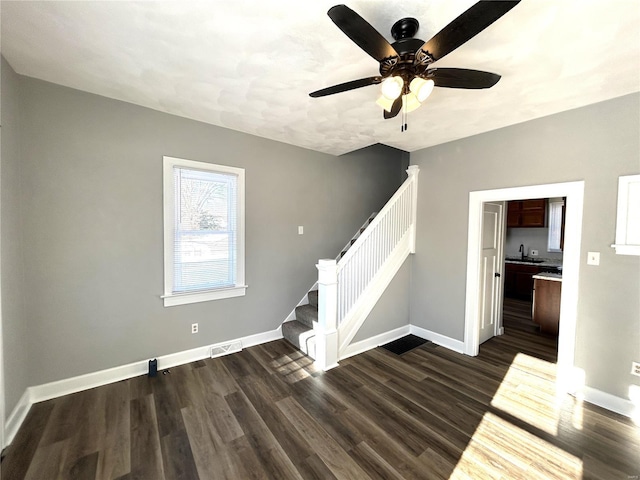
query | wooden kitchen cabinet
(546,305)
(518,282)
(527,213)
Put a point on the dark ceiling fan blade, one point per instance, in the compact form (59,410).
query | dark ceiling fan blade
(395,108)
(462,29)
(361,32)
(343,87)
(462,78)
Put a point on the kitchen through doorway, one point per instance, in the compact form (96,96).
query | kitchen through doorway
(532,266)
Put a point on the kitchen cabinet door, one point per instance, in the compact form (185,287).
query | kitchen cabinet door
(519,280)
(546,305)
(527,213)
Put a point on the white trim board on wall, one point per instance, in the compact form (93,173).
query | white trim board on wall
(574,191)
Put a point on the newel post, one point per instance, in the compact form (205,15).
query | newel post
(326,328)
(413,171)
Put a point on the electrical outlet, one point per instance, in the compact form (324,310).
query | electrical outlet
(194,328)
(635,368)
(534,253)
(300,230)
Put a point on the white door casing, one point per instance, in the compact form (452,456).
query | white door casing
(490,265)
(574,191)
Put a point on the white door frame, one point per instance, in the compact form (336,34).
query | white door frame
(574,191)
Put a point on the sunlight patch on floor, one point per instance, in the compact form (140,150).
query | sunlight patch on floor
(500,449)
(293,369)
(530,397)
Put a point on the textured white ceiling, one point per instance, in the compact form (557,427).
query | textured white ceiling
(249,65)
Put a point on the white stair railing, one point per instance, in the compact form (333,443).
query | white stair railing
(350,288)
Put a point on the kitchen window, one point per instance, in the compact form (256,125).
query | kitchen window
(203,232)
(555,225)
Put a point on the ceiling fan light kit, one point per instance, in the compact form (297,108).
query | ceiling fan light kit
(421,88)
(405,75)
(391,88)
(385,103)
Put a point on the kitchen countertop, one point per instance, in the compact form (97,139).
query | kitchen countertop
(548,262)
(556,277)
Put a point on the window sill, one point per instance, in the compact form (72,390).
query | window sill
(627,249)
(172,300)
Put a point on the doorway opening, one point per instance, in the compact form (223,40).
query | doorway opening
(574,193)
(532,269)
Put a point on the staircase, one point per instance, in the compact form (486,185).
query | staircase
(349,286)
(299,332)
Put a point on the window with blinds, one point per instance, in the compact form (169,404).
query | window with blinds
(204,231)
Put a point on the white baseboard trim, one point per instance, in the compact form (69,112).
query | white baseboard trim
(16,418)
(375,341)
(608,401)
(447,342)
(47,391)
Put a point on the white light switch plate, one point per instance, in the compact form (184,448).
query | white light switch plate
(593,258)
(300,230)
(534,253)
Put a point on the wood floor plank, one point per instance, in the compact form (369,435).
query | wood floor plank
(20,453)
(334,456)
(48,462)
(274,461)
(146,453)
(313,468)
(203,439)
(85,468)
(62,422)
(178,462)
(115,447)
(220,415)
(167,404)
(296,446)
(372,463)
(89,433)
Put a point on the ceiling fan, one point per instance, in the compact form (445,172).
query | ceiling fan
(405,74)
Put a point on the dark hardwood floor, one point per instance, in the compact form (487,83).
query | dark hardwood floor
(517,314)
(266,413)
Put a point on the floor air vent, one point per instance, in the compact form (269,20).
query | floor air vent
(225,348)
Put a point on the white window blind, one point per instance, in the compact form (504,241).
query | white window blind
(555,225)
(204,230)
(204,242)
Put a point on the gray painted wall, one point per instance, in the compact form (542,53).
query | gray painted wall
(392,309)
(91,180)
(596,144)
(14,321)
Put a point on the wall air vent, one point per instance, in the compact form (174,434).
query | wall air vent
(225,348)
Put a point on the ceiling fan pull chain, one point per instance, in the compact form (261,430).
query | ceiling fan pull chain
(404,126)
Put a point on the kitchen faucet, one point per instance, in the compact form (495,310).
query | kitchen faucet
(521,250)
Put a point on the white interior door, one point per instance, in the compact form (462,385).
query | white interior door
(490,270)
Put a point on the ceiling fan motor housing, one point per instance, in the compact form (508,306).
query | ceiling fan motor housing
(403,32)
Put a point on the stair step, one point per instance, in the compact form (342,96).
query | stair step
(307,314)
(300,336)
(313,298)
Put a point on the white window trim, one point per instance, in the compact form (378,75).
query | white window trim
(172,299)
(628,213)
